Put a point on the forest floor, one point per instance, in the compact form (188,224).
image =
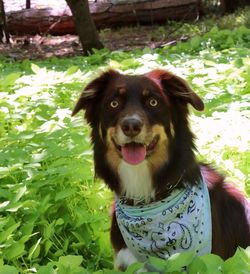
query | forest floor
(40,47)
(123,38)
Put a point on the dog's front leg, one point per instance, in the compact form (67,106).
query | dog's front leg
(124,256)
(123,259)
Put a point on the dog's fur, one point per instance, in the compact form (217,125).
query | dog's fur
(152,110)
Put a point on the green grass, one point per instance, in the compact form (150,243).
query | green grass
(53,217)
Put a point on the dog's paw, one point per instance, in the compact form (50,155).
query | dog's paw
(124,259)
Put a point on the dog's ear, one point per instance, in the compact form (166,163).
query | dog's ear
(91,93)
(175,86)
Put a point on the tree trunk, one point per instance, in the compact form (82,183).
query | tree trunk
(85,26)
(1,33)
(3,25)
(27,4)
(229,6)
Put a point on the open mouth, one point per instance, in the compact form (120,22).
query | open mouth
(135,153)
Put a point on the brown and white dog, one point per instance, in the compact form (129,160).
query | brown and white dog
(144,151)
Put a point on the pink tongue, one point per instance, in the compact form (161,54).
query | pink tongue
(133,154)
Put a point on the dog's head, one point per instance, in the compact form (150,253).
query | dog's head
(136,118)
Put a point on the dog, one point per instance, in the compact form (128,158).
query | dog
(165,201)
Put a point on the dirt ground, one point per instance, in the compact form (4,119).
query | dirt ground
(40,47)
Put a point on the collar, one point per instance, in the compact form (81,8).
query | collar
(181,222)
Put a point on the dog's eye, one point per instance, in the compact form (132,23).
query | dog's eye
(114,104)
(153,102)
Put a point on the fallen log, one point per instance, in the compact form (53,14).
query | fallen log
(56,21)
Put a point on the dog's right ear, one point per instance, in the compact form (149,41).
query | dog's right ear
(175,86)
(91,93)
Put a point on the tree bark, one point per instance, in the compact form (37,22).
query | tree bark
(59,21)
(3,25)
(230,6)
(28,4)
(85,26)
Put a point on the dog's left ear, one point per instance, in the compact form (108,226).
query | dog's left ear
(175,86)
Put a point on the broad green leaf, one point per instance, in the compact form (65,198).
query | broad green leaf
(72,70)
(4,204)
(39,157)
(213,263)
(70,261)
(48,245)
(4,170)
(35,68)
(11,79)
(14,207)
(239,63)
(83,237)
(59,222)
(179,260)
(48,269)
(239,262)
(49,230)
(25,238)
(7,269)
(129,63)
(34,250)
(26,64)
(26,135)
(209,63)
(14,251)
(21,191)
(107,271)
(156,264)
(7,232)
(195,42)
(197,266)
(64,194)
(134,267)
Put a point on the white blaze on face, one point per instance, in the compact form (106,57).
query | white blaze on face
(136,181)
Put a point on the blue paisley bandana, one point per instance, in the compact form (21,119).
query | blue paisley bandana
(181,222)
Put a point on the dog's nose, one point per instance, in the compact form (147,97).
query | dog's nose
(131,126)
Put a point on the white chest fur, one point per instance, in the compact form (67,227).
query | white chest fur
(136,181)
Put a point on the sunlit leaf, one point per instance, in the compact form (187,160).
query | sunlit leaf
(177,261)
(11,79)
(198,266)
(8,232)
(35,250)
(7,269)
(134,267)
(213,263)
(70,261)
(48,269)
(4,204)
(21,191)
(71,70)
(35,68)
(14,251)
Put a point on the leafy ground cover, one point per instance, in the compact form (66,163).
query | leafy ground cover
(54,218)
